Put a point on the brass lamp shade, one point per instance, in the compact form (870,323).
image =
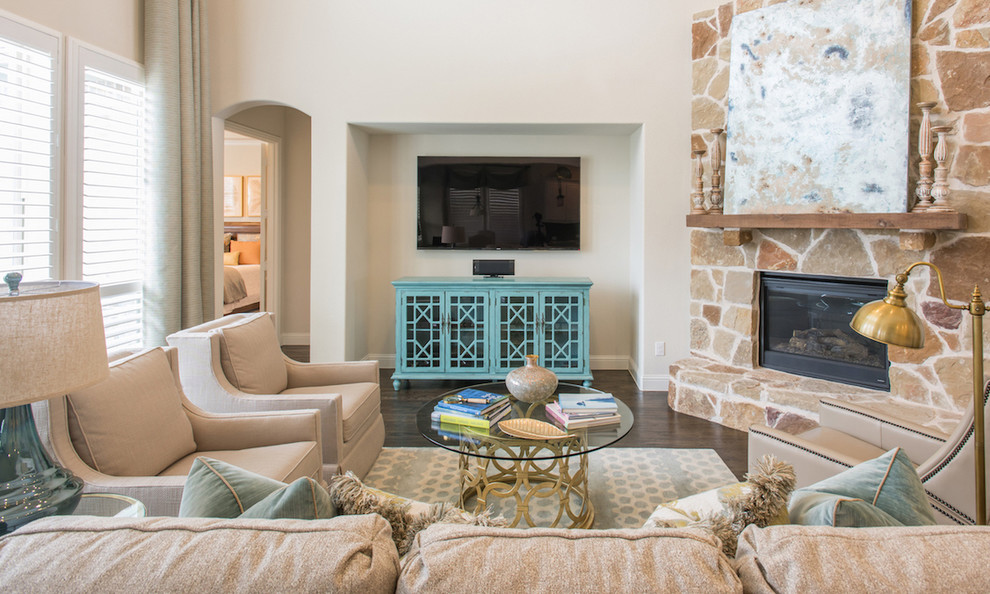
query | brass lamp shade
(889,323)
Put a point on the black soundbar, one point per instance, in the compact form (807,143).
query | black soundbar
(494,268)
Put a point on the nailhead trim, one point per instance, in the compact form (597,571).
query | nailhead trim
(884,421)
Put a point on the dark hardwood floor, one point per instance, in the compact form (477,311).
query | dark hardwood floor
(656,425)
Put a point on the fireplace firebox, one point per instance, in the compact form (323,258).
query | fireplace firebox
(804,328)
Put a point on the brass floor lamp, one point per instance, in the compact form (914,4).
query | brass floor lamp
(891,322)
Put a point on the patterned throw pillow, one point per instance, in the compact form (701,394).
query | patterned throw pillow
(406,516)
(727,510)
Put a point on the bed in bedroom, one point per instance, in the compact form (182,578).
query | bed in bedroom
(241,268)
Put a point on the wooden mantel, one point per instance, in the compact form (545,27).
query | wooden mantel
(917,228)
(955,221)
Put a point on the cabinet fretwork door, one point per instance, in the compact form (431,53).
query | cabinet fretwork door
(517,329)
(562,330)
(467,318)
(422,322)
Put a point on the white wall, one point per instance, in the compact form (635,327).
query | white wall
(116,26)
(242,157)
(496,63)
(391,167)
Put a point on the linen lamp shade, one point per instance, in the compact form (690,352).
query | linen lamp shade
(53,341)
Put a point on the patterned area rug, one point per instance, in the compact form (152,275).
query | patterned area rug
(626,484)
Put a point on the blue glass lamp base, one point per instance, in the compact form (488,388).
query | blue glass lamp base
(32,486)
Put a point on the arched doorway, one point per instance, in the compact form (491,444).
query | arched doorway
(280,138)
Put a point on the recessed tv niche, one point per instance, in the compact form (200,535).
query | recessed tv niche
(499,203)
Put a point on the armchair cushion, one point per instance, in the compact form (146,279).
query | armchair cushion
(133,423)
(251,358)
(284,462)
(359,403)
(215,489)
(889,482)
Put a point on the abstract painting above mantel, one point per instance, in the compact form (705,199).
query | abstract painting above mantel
(818,108)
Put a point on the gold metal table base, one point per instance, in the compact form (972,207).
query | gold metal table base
(526,480)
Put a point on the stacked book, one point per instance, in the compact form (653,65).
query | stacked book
(472,408)
(575,411)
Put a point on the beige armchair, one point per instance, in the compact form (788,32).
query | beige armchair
(136,434)
(235,364)
(850,434)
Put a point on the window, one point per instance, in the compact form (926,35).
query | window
(29,61)
(110,164)
(75,214)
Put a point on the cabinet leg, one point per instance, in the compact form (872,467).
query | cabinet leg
(397,385)
(587,383)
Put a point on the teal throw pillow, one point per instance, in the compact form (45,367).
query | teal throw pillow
(888,482)
(216,489)
(302,499)
(809,508)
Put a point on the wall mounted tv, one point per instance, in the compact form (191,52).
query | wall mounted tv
(499,203)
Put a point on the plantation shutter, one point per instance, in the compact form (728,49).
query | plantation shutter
(28,235)
(113,164)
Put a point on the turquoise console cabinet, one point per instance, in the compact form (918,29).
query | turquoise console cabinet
(483,328)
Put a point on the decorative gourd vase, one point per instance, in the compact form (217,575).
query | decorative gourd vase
(531,383)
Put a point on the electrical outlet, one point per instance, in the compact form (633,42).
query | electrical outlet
(659,348)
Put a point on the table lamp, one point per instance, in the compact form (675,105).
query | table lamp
(452,235)
(53,343)
(890,321)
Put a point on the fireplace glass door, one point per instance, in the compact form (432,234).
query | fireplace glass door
(804,328)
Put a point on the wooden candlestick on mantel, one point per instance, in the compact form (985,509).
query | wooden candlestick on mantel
(924,189)
(716,195)
(698,195)
(940,188)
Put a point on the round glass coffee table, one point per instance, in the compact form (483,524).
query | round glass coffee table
(495,465)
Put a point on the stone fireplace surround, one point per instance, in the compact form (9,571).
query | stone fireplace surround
(721,380)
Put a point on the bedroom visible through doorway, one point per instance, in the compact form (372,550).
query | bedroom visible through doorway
(248,198)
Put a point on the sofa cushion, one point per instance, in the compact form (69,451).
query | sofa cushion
(87,554)
(132,423)
(898,559)
(216,489)
(459,558)
(283,462)
(825,509)
(889,482)
(302,499)
(251,358)
(359,402)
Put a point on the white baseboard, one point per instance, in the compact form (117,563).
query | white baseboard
(609,362)
(654,383)
(649,383)
(295,338)
(384,361)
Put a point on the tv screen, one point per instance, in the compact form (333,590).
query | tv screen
(499,203)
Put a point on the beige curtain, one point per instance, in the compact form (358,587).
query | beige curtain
(179,290)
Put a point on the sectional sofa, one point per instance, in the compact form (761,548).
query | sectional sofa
(356,554)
